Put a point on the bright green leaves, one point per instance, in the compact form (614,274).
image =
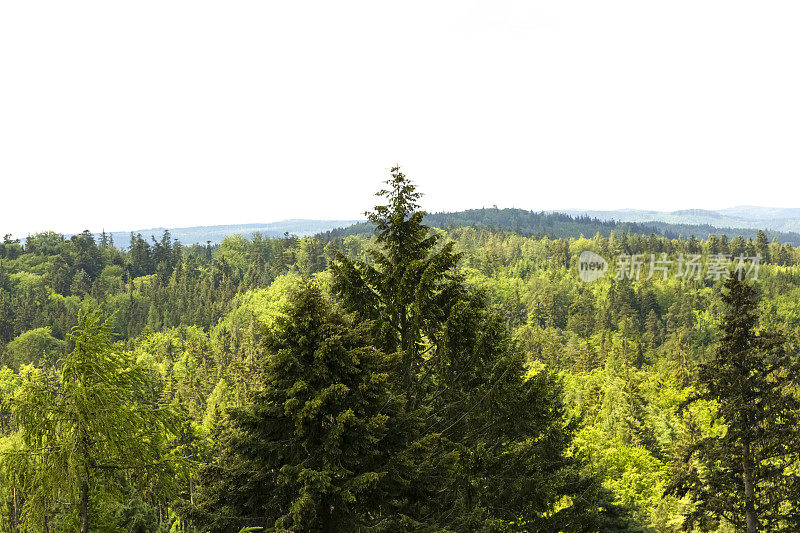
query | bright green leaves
(83,425)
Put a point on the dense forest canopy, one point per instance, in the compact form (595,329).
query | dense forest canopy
(457,378)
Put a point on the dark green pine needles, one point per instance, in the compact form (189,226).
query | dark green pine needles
(309,452)
(749,475)
(451,432)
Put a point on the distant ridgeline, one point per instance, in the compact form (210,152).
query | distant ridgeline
(215,234)
(554,225)
(766,218)
(559,225)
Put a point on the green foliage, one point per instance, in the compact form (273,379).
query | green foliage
(487,447)
(409,283)
(87,428)
(525,399)
(308,452)
(747,476)
(33,346)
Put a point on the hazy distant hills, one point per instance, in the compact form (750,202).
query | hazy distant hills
(215,234)
(744,216)
(782,223)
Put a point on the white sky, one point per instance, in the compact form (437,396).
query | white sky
(123,115)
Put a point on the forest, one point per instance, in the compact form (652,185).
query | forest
(419,378)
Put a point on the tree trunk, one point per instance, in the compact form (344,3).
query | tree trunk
(406,355)
(749,494)
(14,511)
(328,523)
(84,507)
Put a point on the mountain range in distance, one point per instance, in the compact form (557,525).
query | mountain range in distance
(743,216)
(780,223)
(215,234)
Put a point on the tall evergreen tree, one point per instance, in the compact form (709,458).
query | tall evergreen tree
(411,282)
(310,450)
(506,430)
(487,446)
(748,476)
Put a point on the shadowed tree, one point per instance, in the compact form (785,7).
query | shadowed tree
(310,450)
(487,445)
(749,475)
(410,284)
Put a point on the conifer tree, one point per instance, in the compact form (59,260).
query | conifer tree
(81,284)
(486,446)
(506,430)
(749,475)
(84,425)
(411,282)
(309,452)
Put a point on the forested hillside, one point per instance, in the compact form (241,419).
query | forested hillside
(410,379)
(550,224)
(562,226)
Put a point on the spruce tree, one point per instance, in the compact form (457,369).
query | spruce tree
(81,284)
(309,451)
(411,282)
(487,445)
(506,428)
(749,475)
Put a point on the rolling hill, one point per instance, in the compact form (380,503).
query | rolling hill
(780,223)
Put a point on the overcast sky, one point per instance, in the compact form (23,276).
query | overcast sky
(123,115)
